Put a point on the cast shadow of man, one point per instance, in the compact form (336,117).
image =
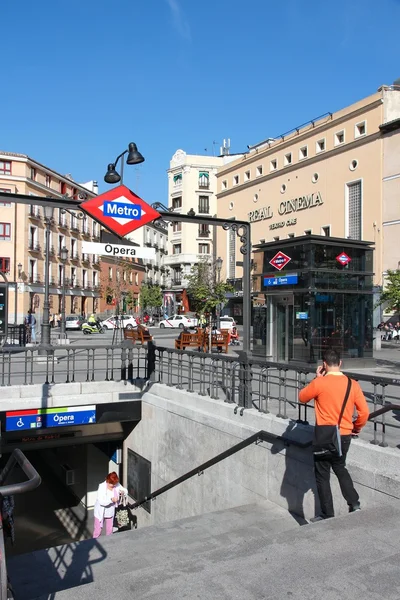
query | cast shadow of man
(298,485)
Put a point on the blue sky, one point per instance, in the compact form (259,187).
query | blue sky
(82,79)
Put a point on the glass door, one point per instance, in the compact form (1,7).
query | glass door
(284,331)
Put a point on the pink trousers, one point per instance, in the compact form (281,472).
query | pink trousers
(98,526)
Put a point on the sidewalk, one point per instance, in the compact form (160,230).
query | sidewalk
(387,359)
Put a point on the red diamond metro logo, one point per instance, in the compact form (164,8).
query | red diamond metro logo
(120,210)
(280,260)
(343,259)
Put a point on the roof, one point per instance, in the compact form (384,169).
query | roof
(390,126)
(318,239)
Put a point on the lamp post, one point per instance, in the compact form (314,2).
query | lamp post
(16,292)
(64,258)
(134,158)
(45,330)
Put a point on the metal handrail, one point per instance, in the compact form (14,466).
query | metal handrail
(17,458)
(381,411)
(260,436)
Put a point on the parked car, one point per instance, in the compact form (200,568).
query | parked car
(73,322)
(125,321)
(227,323)
(179,321)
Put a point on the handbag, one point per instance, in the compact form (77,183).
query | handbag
(123,518)
(327,437)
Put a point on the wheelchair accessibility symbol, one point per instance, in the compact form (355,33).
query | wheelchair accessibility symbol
(20,422)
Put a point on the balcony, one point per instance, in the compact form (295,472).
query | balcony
(75,283)
(87,285)
(73,256)
(34,212)
(34,246)
(176,281)
(204,234)
(62,222)
(75,227)
(85,231)
(52,251)
(85,259)
(96,236)
(34,279)
(236,283)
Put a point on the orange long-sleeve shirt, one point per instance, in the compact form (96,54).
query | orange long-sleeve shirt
(329,392)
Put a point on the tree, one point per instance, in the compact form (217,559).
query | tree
(391,293)
(150,297)
(205,293)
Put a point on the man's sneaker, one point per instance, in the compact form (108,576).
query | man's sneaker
(319,518)
(354,508)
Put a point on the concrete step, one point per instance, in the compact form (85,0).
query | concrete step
(354,557)
(144,550)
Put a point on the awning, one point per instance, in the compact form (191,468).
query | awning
(203,174)
(177,177)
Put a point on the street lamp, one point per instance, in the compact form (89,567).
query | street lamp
(45,331)
(63,258)
(134,158)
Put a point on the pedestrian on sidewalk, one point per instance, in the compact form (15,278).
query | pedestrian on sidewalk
(30,323)
(336,396)
(108,497)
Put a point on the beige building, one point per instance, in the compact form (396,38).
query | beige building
(22,241)
(337,175)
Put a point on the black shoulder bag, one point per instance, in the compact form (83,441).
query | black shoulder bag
(327,437)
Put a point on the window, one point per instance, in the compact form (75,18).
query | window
(204,180)
(259,171)
(360,129)
(177,202)
(117,276)
(136,279)
(224,185)
(84,278)
(287,160)
(5,232)
(176,226)
(32,271)
(204,231)
(74,253)
(273,165)
(33,240)
(33,174)
(176,248)
(5,167)
(94,279)
(204,248)
(315,178)
(204,205)
(48,181)
(339,138)
(177,179)
(110,273)
(326,230)
(247,176)
(303,152)
(73,275)
(308,232)
(354,200)
(236,180)
(231,254)
(320,146)
(61,243)
(5,191)
(4,265)
(290,235)
(124,275)
(276,238)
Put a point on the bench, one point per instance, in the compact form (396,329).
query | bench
(189,340)
(138,334)
(218,340)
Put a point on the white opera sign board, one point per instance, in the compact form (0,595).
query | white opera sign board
(118,250)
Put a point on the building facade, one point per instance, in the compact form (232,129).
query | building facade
(154,235)
(337,175)
(22,241)
(192,184)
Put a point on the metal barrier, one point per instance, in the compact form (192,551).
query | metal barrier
(16,458)
(272,388)
(68,364)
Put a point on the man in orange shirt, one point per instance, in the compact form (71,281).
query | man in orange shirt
(329,389)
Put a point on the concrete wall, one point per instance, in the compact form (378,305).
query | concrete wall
(179,431)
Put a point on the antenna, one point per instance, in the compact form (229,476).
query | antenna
(226,146)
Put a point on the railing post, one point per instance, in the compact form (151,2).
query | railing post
(151,361)
(244,380)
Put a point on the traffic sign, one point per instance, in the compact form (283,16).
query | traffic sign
(280,260)
(120,210)
(343,259)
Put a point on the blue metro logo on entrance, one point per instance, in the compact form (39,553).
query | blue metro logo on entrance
(122,211)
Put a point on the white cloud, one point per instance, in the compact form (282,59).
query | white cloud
(180,23)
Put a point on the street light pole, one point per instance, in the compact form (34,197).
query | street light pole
(45,331)
(64,258)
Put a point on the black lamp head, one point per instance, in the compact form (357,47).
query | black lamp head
(134,156)
(112,176)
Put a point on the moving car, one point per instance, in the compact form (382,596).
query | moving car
(179,321)
(227,323)
(73,322)
(125,321)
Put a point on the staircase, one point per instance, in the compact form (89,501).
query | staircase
(250,552)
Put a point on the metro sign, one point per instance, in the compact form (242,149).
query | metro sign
(120,210)
(343,259)
(280,260)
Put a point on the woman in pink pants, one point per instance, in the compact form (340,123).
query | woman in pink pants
(108,496)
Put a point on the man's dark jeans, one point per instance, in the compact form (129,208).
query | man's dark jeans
(322,467)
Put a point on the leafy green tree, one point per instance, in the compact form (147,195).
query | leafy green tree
(390,295)
(150,297)
(204,291)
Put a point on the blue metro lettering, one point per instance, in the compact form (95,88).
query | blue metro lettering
(122,211)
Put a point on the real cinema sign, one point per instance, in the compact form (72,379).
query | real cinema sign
(286,207)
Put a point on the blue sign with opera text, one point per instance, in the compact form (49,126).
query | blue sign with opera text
(287,280)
